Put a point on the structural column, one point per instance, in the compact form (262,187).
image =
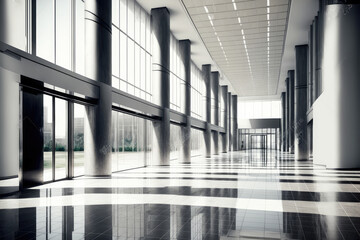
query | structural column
(234,123)
(229,121)
(291,76)
(215,109)
(9,127)
(185,55)
(160,23)
(336,111)
(287,114)
(225,138)
(301,145)
(283,121)
(97,126)
(310,68)
(206,71)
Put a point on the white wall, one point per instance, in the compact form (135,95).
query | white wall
(9,123)
(259,123)
(337,111)
(12,23)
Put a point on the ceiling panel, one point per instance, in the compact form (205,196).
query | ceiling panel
(245,38)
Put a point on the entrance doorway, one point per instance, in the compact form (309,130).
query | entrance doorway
(258,141)
(52,134)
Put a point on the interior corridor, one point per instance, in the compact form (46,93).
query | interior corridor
(248,194)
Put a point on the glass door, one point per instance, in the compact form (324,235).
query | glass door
(55,150)
(61,138)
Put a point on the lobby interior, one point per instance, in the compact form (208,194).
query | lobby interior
(181,119)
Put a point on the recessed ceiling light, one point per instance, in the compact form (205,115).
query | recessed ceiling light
(206,9)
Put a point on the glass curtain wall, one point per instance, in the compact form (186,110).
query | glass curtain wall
(272,138)
(175,141)
(79,117)
(55,138)
(55,41)
(259,109)
(61,138)
(177,82)
(48,138)
(130,141)
(197,142)
(131,49)
(198,94)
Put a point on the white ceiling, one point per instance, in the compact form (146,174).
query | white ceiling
(182,27)
(302,13)
(252,66)
(189,20)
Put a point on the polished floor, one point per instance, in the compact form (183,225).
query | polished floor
(243,195)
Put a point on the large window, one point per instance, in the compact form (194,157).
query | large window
(264,138)
(55,41)
(177,78)
(61,138)
(131,141)
(198,92)
(259,109)
(131,49)
(197,142)
(78,145)
(48,138)
(55,138)
(175,141)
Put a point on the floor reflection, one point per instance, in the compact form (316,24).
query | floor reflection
(231,196)
(151,221)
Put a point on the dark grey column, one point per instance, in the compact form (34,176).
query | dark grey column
(234,123)
(336,130)
(291,76)
(310,69)
(185,55)
(229,121)
(225,138)
(9,126)
(287,119)
(206,70)
(315,58)
(283,121)
(215,109)
(98,67)
(301,145)
(160,22)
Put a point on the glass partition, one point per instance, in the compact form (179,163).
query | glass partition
(48,138)
(79,117)
(175,141)
(131,141)
(61,138)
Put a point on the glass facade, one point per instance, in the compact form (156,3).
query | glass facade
(60,39)
(131,141)
(259,109)
(56,129)
(61,138)
(197,142)
(55,41)
(175,141)
(131,49)
(198,93)
(177,77)
(263,138)
(78,145)
(48,137)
